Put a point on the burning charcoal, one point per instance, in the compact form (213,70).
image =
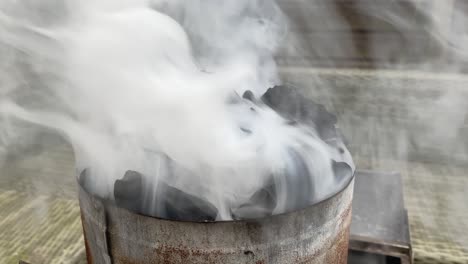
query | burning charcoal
(127,191)
(323,120)
(178,205)
(284,100)
(296,183)
(291,104)
(261,204)
(249,96)
(171,203)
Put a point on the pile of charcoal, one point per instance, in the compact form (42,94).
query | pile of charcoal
(175,204)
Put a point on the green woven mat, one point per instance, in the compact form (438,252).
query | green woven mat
(39,212)
(438,212)
(39,229)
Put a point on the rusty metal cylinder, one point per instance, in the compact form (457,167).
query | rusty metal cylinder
(317,234)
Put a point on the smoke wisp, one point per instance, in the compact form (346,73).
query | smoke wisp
(158,88)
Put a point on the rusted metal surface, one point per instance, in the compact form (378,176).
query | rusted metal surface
(317,234)
(93,218)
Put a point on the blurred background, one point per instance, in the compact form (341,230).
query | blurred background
(394,72)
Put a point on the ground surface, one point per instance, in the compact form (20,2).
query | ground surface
(39,213)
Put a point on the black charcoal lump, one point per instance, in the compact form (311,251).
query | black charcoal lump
(294,106)
(171,203)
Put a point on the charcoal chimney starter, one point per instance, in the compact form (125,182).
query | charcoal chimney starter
(313,229)
(317,234)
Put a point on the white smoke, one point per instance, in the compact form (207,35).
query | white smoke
(126,81)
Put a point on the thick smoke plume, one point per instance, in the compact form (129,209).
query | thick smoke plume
(156,87)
